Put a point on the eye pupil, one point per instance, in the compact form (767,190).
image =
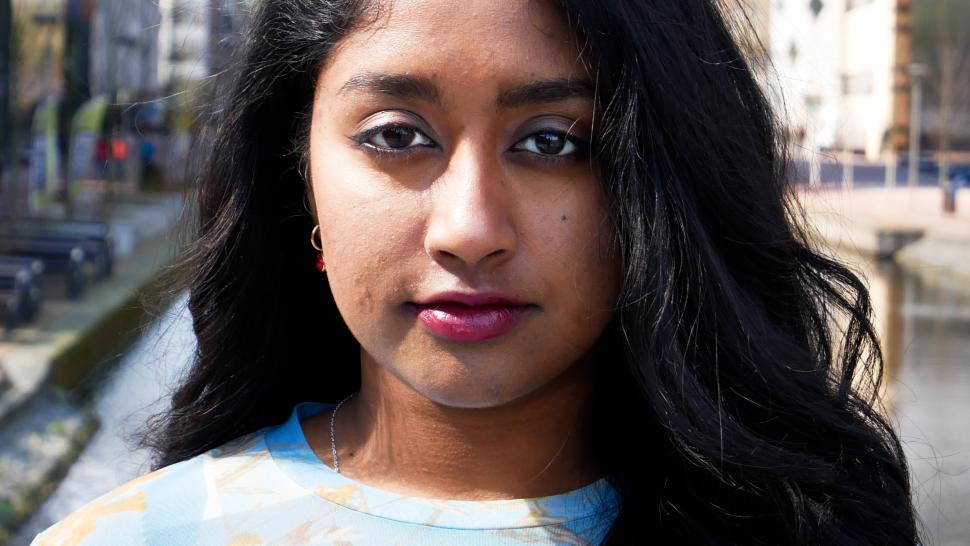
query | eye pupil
(398,137)
(550,143)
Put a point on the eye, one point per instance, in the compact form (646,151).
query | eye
(552,144)
(394,137)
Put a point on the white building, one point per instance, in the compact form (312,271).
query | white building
(869,58)
(841,72)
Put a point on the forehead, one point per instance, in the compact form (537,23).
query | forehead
(477,43)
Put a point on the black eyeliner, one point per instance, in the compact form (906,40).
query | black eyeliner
(361,138)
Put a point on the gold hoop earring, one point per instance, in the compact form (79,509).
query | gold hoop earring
(313,238)
(320,265)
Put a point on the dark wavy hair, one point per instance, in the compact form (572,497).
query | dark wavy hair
(736,402)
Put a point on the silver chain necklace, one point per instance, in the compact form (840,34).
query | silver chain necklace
(333,435)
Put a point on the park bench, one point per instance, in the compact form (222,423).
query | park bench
(36,269)
(97,254)
(62,257)
(20,292)
(94,237)
(90,228)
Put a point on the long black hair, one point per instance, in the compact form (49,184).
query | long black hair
(736,398)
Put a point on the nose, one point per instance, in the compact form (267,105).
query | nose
(471,224)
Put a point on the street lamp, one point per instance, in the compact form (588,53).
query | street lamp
(812,102)
(916,73)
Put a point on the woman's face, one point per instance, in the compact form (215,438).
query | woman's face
(466,234)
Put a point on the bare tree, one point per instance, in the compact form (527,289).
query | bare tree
(941,39)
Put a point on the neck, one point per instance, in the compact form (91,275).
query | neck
(390,436)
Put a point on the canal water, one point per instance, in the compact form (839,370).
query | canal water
(924,322)
(926,326)
(133,392)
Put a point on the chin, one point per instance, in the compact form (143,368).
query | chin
(475,394)
(473,381)
(461,389)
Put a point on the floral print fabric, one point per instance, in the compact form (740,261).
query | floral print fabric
(270,488)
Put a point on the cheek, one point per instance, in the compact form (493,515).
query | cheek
(363,219)
(366,229)
(363,240)
(581,255)
(569,251)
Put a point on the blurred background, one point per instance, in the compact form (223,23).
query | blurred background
(103,101)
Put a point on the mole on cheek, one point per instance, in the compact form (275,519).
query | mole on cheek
(563,218)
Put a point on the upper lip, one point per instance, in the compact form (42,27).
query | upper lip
(471,299)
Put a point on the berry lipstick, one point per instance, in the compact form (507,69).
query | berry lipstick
(469,317)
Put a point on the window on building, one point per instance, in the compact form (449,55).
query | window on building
(857,84)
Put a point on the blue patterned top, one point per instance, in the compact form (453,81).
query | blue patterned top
(269,487)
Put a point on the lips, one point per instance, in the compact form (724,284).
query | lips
(470,317)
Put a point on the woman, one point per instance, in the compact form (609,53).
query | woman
(560,297)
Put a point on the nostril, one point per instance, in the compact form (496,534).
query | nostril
(498,252)
(445,254)
(466,237)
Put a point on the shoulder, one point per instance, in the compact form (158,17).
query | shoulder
(163,507)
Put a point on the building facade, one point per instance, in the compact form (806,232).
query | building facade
(196,38)
(841,72)
(183,42)
(125,48)
(37,52)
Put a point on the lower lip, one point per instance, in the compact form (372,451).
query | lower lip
(464,323)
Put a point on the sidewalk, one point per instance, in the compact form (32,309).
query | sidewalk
(907,222)
(44,424)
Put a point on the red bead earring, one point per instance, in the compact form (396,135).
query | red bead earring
(320,265)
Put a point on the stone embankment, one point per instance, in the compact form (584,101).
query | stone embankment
(907,225)
(48,365)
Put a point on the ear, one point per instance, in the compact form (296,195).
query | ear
(310,204)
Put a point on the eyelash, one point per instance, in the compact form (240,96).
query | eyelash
(387,153)
(582,147)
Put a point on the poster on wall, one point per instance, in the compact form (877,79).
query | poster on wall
(85,166)
(86,128)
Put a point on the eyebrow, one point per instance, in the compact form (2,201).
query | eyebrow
(408,87)
(402,86)
(553,90)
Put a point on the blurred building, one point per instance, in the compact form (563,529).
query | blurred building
(183,42)
(36,52)
(842,71)
(124,48)
(196,38)
(750,21)
(227,20)
(5,26)
(83,48)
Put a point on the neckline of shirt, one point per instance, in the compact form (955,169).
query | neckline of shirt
(292,454)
